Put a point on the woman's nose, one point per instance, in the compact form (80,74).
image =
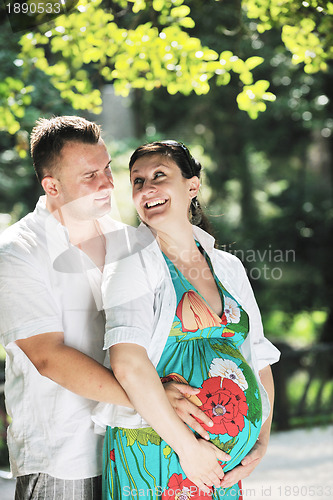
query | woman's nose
(148,187)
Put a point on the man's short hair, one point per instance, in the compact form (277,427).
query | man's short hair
(49,136)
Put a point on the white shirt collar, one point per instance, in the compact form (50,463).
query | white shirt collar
(146,238)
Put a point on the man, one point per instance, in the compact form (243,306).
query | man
(52,323)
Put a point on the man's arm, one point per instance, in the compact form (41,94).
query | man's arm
(84,376)
(72,369)
(252,459)
(65,365)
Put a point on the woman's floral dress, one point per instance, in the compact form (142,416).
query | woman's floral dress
(202,350)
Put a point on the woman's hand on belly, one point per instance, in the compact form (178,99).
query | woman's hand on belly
(252,459)
(178,396)
(247,465)
(201,464)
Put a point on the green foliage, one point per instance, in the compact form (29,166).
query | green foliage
(22,101)
(307,28)
(146,57)
(299,329)
(142,436)
(90,46)
(252,98)
(152,46)
(15,97)
(227,446)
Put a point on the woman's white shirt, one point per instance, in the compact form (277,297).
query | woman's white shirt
(140,303)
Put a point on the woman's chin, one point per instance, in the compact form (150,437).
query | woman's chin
(155,219)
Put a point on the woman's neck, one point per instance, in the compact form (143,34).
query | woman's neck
(179,245)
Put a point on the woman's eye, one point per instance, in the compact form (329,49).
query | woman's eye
(137,181)
(159,174)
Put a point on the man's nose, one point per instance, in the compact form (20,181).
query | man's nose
(107,180)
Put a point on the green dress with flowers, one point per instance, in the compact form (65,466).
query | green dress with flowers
(202,350)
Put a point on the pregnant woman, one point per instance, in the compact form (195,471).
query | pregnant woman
(180,310)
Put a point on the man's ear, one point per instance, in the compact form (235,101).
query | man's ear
(194,186)
(50,186)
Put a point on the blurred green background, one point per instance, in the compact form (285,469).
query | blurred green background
(248,86)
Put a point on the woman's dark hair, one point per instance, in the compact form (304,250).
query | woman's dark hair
(188,165)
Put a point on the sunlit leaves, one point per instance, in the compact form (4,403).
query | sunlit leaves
(307,28)
(89,46)
(138,5)
(252,98)
(14,97)
(170,58)
(305,46)
(144,57)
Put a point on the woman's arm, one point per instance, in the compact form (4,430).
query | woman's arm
(252,459)
(138,377)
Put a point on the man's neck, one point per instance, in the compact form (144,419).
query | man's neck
(79,230)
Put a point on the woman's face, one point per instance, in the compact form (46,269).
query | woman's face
(161,194)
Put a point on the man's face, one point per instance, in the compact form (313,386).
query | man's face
(84,180)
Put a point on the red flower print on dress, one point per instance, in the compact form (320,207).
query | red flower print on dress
(225,403)
(194,313)
(113,458)
(183,489)
(224,320)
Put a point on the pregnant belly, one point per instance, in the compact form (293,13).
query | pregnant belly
(229,395)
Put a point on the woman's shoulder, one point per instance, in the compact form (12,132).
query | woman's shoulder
(134,254)
(228,257)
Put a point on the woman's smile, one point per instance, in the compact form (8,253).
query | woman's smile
(154,203)
(161,193)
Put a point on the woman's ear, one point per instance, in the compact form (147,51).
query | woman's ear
(194,186)
(50,186)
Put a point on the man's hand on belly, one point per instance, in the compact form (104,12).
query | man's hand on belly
(180,397)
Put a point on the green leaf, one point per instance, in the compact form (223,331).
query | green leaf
(166,451)
(246,77)
(227,348)
(181,11)
(158,5)
(253,62)
(139,5)
(176,329)
(142,436)
(223,79)
(226,447)
(187,22)
(238,66)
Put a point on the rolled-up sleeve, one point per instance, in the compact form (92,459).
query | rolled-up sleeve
(128,301)
(265,352)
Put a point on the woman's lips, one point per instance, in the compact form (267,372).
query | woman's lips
(155,203)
